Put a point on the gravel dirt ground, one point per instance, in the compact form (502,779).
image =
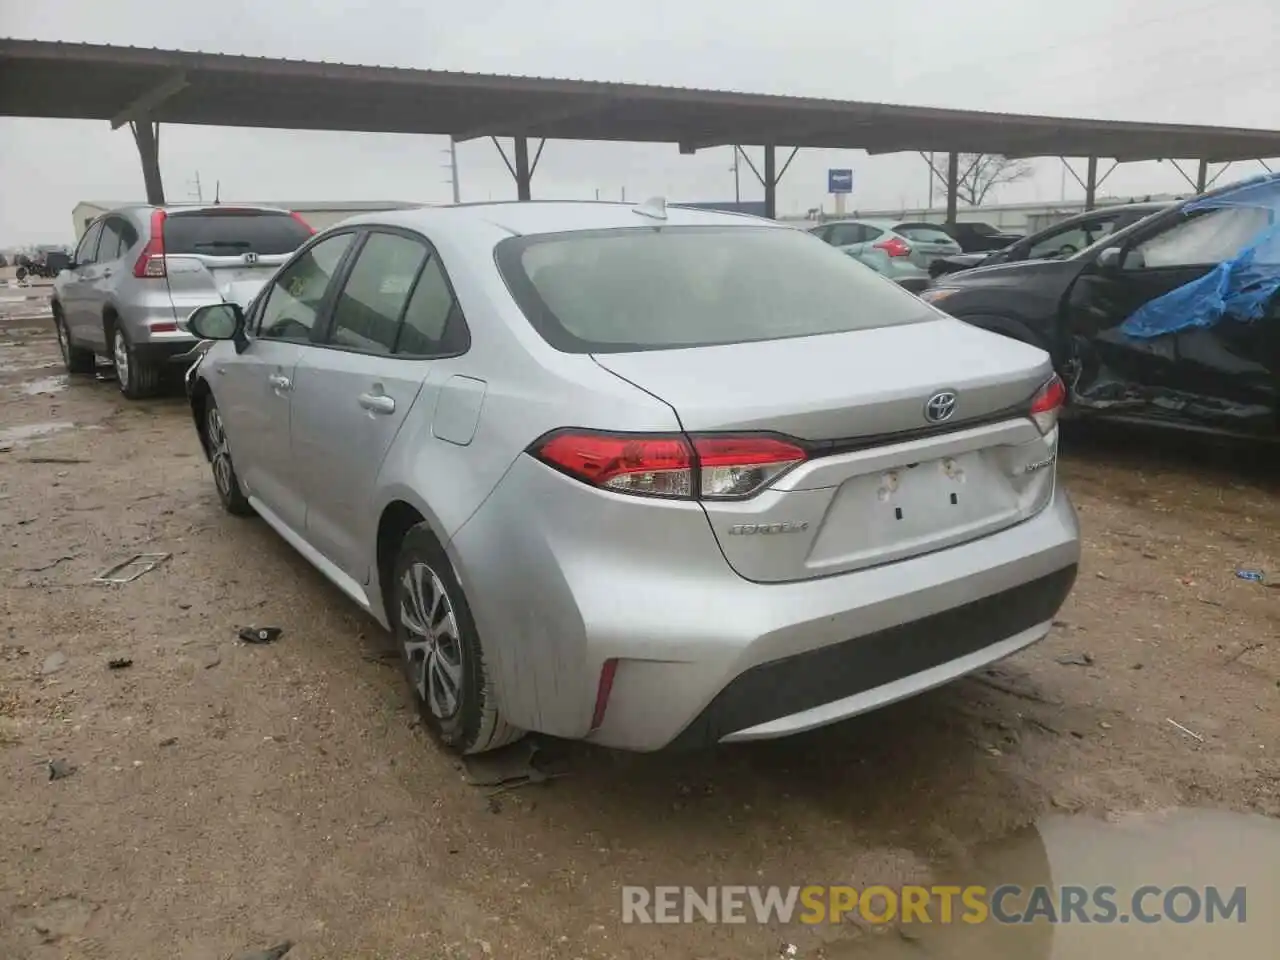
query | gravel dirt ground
(225,796)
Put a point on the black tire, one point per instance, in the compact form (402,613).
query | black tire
(469,721)
(138,379)
(77,360)
(225,480)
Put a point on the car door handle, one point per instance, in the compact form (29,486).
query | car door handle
(279,381)
(377,403)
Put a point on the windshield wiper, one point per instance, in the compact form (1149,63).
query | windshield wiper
(234,244)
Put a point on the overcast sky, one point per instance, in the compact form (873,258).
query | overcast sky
(1189,61)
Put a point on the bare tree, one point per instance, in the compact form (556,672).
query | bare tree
(980,173)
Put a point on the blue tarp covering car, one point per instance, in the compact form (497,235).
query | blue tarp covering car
(1239,288)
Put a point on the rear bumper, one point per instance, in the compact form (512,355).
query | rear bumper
(845,679)
(559,586)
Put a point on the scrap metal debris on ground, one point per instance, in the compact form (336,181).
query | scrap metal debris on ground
(119,663)
(60,769)
(271,953)
(131,569)
(259,634)
(510,767)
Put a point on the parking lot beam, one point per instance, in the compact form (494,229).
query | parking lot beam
(1202,176)
(523,174)
(1091,184)
(770,179)
(953,185)
(146,135)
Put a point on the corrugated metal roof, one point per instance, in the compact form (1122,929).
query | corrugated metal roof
(92,81)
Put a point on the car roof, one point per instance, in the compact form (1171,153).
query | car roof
(529,217)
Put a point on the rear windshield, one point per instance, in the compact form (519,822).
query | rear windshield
(233,232)
(611,291)
(923,232)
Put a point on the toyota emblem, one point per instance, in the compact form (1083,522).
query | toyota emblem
(940,407)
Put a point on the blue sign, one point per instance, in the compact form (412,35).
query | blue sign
(839,181)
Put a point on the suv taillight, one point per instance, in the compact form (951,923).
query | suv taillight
(895,247)
(150,263)
(672,466)
(1048,403)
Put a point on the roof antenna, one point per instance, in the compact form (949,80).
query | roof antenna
(654,208)
(217,191)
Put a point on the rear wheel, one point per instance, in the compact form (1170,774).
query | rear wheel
(137,378)
(76,359)
(440,649)
(224,472)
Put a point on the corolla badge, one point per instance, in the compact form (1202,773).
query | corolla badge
(940,407)
(751,529)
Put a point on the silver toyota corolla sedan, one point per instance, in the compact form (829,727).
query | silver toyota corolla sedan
(641,475)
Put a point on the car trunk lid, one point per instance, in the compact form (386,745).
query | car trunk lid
(882,482)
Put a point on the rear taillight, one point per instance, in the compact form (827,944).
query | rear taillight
(895,247)
(670,465)
(1048,403)
(150,263)
(297,216)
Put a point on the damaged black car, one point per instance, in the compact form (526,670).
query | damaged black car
(1174,320)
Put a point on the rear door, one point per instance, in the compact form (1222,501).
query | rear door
(118,236)
(254,389)
(394,317)
(226,253)
(1230,363)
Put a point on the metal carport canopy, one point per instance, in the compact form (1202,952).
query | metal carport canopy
(132,84)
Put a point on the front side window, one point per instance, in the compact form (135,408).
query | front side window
(297,293)
(366,314)
(644,289)
(1068,241)
(1208,239)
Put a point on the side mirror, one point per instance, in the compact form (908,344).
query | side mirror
(1111,258)
(217,321)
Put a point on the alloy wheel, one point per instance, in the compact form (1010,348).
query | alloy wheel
(221,452)
(121,357)
(432,646)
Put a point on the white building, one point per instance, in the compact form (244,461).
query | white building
(320,214)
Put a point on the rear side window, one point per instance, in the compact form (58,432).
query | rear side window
(231,233)
(923,233)
(609,291)
(366,314)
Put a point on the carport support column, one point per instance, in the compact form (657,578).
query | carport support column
(770,179)
(1202,176)
(1091,184)
(523,176)
(953,185)
(146,135)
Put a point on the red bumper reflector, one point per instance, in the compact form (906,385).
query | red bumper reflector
(603,690)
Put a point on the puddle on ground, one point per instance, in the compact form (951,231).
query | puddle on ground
(1192,849)
(27,432)
(33,388)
